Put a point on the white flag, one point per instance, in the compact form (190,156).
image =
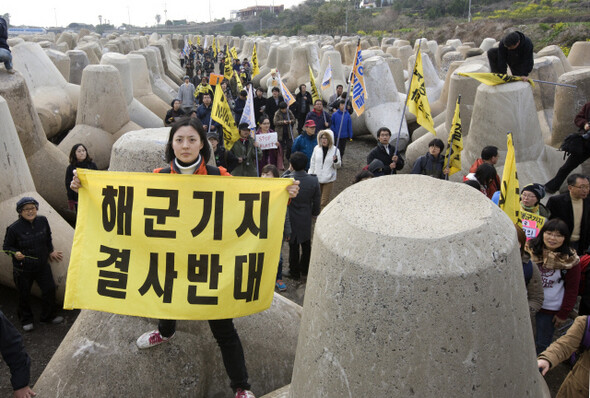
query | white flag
(248,114)
(205,44)
(327,80)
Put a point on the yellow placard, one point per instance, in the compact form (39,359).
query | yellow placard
(173,246)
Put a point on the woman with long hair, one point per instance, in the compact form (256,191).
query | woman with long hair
(79,158)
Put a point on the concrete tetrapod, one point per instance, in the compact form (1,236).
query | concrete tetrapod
(142,89)
(17,185)
(98,356)
(430,302)
(47,164)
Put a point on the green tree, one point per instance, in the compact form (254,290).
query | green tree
(238,30)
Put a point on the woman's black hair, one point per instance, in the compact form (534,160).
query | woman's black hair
(270,168)
(262,118)
(555,224)
(198,126)
(437,142)
(382,129)
(173,101)
(485,174)
(73,159)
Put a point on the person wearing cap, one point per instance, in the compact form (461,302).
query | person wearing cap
(28,241)
(186,93)
(320,117)
(306,142)
(514,50)
(223,158)
(245,150)
(272,81)
(530,200)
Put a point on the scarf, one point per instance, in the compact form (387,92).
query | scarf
(554,260)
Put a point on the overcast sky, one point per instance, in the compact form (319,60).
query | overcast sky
(139,12)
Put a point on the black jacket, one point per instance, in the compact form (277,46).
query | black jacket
(305,205)
(172,116)
(70,175)
(225,159)
(379,153)
(3,34)
(560,206)
(33,239)
(302,104)
(520,60)
(14,354)
(271,108)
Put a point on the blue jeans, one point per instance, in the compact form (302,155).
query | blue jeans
(545,330)
(6,57)
(280,271)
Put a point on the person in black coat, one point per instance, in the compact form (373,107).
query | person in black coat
(301,209)
(79,159)
(385,152)
(566,207)
(16,358)
(514,50)
(259,104)
(173,113)
(272,105)
(5,54)
(303,103)
(223,157)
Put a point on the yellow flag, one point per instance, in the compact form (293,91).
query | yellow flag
(315,94)
(199,40)
(221,113)
(255,69)
(227,69)
(174,246)
(358,89)
(238,81)
(214,50)
(234,53)
(493,79)
(509,190)
(455,144)
(189,41)
(417,100)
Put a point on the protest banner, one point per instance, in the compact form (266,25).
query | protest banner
(531,223)
(176,246)
(267,140)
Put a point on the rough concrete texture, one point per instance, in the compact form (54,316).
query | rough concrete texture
(93,51)
(54,98)
(280,393)
(399,309)
(568,103)
(102,119)
(557,52)
(397,71)
(505,108)
(142,89)
(101,346)
(138,112)
(17,185)
(440,105)
(338,77)
(78,61)
(60,60)
(383,107)
(579,54)
(299,70)
(47,164)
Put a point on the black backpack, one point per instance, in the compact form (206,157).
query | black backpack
(572,145)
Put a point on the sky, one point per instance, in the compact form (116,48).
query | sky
(45,13)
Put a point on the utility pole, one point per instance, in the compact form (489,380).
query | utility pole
(469,12)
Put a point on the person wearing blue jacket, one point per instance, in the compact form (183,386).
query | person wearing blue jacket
(342,127)
(306,142)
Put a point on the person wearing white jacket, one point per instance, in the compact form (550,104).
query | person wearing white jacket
(325,160)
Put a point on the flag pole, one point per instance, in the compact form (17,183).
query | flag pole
(401,122)
(451,145)
(347,97)
(255,153)
(555,84)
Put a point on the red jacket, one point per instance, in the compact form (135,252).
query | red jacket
(494,186)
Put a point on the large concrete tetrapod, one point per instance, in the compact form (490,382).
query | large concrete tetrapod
(429,301)
(16,183)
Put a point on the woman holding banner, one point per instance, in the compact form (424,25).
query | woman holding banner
(187,152)
(274,155)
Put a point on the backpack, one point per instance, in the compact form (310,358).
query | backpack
(573,144)
(584,343)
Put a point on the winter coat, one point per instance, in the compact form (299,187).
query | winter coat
(534,287)
(303,103)
(33,239)
(429,166)
(346,129)
(172,116)
(494,186)
(14,354)
(305,143)
(560,206)
(381,154)
(185,95)
(70,175)
(322,166)
(319,119)
(247,151)
(575,384)
(283,130)
(304,206)
(520,60)
(3,34)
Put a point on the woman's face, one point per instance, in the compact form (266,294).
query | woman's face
(434,150)
(224,85)
(81,154)
(553,240)
(528,199)
(267,175)
(324,140)
(265,125)
(186,144)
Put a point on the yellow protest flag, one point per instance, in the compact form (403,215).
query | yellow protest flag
(493,79)
(234,53)
(199,40)
(315,94)
(238,81)
(417,99)
(455,144)
(255,68)
(221,113)
(189,41)
(358,88)
(227,68)
(509,190)
(175,246)
(214,49)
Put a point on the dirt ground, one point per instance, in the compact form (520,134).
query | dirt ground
(42,342)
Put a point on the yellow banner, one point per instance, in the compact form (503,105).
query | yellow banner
(238,81)
(417,100)
(455,143)
(358,88)
(214,50)
(221,113)
(234,53)
(176,246)
(531,223)
(315,94)
(199,40)
(493,79)
(255,68)
(509,190)
(227,68)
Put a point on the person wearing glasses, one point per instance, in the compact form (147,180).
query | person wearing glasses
(530,200)
(574,209)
